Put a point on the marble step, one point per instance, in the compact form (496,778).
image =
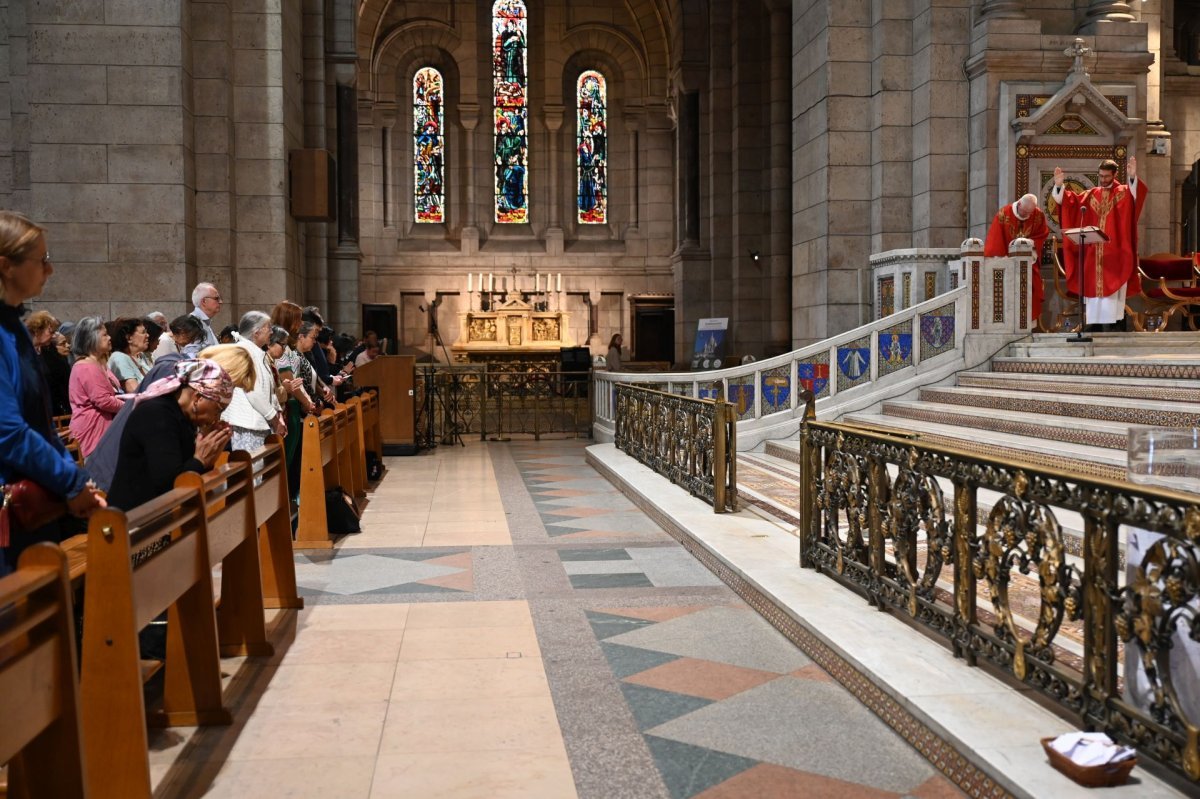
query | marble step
(1110,409)
(1168,368)
(1068,429)
(1181,345)
(1160,389)
(1037,451)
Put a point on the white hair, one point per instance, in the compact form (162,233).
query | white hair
(199,292)
(1028,200)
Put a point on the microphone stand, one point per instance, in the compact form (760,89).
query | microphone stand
(1079,337)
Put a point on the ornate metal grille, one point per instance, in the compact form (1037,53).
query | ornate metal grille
(873,515)
(691,442)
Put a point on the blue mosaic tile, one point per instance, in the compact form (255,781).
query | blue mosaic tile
(776,390)
(895,348)
(937,331)
(813,374)
(854,363)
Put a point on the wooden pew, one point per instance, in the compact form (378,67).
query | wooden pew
(342,434)
(271,517)
(40,731)
(318,469)
(372,434)
(357,444)
(232,534)
(120,599)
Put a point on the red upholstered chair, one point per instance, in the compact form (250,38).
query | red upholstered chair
(1170,285)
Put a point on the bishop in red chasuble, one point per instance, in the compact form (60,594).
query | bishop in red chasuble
(1021,220)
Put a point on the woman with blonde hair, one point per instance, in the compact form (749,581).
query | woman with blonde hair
(29,446)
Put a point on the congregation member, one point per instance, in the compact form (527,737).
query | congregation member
(129,341)
(175,427)
(41,326)
(236,362)
(613,359)
(186,338)
(255,414)
(30,449)
(315,355)
(154,335)
(366,356)
(1021,220)
(207,303)
(57,367)
(93,390)
(1109,267)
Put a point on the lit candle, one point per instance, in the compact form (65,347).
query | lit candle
(491,282)
(470,277)
(559,282)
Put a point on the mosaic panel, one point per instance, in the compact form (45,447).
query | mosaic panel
(854,363)
(975,296)
(1025,294)
(907,290)
(813,374)
(887,296)
(710,389)
(741,395)
(937,331)
(954,280)
(776,389)
(895,348)
(997,296)
(930,285)
(682,389)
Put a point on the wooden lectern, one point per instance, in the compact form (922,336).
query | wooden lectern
(393,377)
(1081,236)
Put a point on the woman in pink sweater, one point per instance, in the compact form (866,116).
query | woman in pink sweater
(93,391)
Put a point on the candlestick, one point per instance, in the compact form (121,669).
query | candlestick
(537,282)
(491,282)
(469,278)
(559,282)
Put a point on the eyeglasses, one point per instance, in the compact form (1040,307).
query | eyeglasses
(217,298)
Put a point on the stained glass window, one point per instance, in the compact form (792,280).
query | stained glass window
(591,152)
(428,147)
(511,116)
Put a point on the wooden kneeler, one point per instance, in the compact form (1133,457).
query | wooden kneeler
(343,433)
(119,600)
(232,534)
(271,517)
(318,471)
(40,735)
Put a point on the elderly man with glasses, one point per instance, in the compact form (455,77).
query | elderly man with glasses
(207,302)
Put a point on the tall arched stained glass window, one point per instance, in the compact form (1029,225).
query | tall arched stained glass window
(591,151)
(429,166)
(510,88)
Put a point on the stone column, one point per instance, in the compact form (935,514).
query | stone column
(468,117)
(687,155)
(1112,10)
(387,198)
(1003,9)
(345,254)
(554,232)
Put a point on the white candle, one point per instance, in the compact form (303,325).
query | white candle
(559,282)
(491,282)
(470,277)
(537,282)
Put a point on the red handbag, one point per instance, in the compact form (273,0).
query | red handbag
(27,506)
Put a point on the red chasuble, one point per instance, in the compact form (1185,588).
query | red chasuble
(1111,264)
(1006,227)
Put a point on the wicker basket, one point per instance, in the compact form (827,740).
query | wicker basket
(1102,776)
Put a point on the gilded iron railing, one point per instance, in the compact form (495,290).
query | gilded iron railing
(906,525)
(501,400)
(691,442)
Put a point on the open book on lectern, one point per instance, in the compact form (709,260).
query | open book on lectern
(1085,235)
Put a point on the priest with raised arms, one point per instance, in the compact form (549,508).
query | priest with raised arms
(1021,220)
(1110,267)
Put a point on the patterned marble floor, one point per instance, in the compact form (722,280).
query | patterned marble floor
(508,624)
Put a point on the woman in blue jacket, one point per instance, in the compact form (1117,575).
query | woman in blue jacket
(29,446)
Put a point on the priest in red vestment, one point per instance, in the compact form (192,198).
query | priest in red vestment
(1110,267)
(1022,219)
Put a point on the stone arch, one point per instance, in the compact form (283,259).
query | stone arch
(624,56)
(401,40)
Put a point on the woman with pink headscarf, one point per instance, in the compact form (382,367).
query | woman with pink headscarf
(175,427)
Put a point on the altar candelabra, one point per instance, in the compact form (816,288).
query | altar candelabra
(486,288)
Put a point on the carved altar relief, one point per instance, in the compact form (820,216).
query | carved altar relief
(511,328)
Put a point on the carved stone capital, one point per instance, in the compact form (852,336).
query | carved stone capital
(553,116)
